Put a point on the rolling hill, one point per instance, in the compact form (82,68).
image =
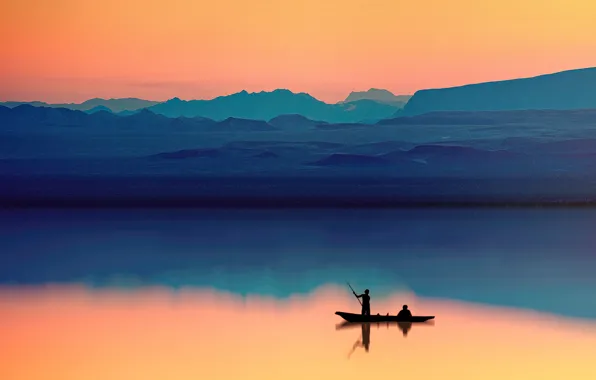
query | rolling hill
(573,89)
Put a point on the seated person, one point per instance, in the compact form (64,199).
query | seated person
(404,313)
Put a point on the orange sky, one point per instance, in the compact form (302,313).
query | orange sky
(72,334)
(71,50)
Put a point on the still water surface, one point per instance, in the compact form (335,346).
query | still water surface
(174,294)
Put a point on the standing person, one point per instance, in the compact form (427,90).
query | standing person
(366,336)
(365,302)
(365,342)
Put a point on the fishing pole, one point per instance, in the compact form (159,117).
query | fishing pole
(354,293)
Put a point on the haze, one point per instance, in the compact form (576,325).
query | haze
(69,51)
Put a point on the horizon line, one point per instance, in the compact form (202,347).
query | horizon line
(295,92)
(280,89)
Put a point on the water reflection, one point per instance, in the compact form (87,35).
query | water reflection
(364,340)
(73,333)
(470,255)
(405,327)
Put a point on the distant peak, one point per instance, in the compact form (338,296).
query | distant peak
(378,95)
(380,91)
(373,91)
(26,106)
(263,92)
(286,91)
(277,91)
(144,112)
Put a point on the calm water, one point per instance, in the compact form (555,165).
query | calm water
(175,294)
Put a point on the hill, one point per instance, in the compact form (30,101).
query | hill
(378,95)
(117,105)
(294,122)
(546,118)
(98,109)
(573,89)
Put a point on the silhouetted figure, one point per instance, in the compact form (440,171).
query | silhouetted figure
(404,313)
(366,336)
(365,302)
(365,341)
(405,327)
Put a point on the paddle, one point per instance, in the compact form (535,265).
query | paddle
(354,348)
(360,302)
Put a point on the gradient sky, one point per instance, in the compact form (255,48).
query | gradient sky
(69,333)
(71,50)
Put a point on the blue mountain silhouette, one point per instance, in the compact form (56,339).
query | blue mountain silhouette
(49,154)
(379,95)
(573,89)
(114,105)
(98,109)
(487,118)
(294,121)
(40,118)
(268,105)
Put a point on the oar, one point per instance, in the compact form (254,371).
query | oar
(354,348)
(354,293)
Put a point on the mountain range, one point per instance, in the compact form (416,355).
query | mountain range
(145,131)
(93,105)
(281,145)
(61,155)
(267,105)
(573,89)
(29,119)
(243,105)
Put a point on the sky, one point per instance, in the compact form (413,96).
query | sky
(70,333)
(72,50)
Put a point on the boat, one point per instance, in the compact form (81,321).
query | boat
(350,317)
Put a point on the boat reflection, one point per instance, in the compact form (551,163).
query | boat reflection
(364,340)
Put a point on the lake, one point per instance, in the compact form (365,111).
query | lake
(218,294)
